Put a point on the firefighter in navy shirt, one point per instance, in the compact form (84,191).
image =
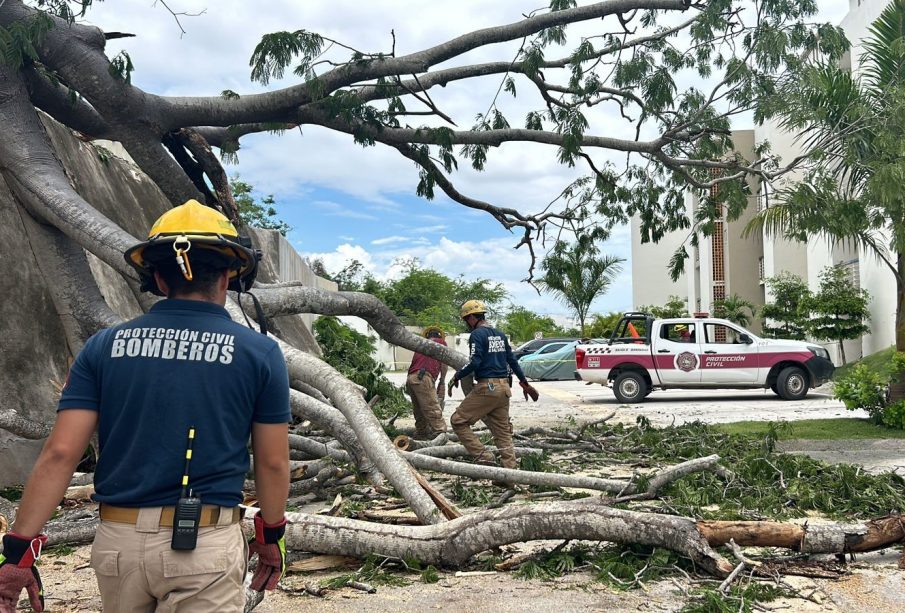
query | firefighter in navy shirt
(491,359)
(145,384)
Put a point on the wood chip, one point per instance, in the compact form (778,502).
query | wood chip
(475,573)
(323,563)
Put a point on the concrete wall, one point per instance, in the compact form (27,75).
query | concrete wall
(651,283)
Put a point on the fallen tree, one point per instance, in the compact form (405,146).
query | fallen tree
(58,65)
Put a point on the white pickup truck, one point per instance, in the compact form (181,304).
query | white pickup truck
(645,353)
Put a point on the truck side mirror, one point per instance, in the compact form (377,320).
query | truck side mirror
(745,339)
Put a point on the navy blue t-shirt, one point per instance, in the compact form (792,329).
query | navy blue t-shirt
(491,356)
(183,364)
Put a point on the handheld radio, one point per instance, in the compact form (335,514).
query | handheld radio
(187,517)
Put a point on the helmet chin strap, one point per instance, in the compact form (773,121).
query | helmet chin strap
(259,311)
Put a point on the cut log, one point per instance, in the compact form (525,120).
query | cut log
(446,507)
(808,537)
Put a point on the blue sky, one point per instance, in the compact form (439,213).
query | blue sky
(344,201)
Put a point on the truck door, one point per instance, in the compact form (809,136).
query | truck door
(726,357)
(677,353)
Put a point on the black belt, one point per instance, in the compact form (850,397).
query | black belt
(494,380)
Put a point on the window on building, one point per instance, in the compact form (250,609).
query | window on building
(721,334)
(760,269)
(852,270)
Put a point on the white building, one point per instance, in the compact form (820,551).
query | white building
(726,263)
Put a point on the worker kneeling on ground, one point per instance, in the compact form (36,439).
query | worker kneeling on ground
(491,359)
(423,371)
(174,395)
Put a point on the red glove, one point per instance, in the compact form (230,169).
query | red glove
(17,571)
(529,391)
(270,545)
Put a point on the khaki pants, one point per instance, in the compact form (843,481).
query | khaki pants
(428,414)
(492,407)
(137,571)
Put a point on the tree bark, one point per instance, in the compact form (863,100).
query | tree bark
(454,542)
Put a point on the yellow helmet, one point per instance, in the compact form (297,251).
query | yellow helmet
(472,307)
(437,330)
(680,327)
(189,225)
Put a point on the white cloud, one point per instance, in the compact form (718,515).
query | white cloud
(431,229)
(334,209)
(495,260)
(390,240)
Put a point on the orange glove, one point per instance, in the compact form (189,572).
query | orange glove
(529,390)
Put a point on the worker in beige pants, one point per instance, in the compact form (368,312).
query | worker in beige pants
(487,402)
(490,361)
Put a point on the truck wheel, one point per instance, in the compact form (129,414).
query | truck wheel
(792,383)
(774,388)
(630,387)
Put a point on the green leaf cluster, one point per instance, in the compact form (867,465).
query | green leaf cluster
(350,353)
(18,42)
(257,213)
(867,388)
(278,50)
(674,307)
(766,483)
(521,325)
(578,274)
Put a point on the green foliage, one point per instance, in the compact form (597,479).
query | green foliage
(521,325)
(766,484)
(13,494)
(674,307)
(19,41)
(839,309)
(430,575)
(260,214)
(867,388)
(350,353)
(121,67)
(742,597)
(375,571)
(422,296)
(470,494)
(276,52)
(602,326)
(894,415)
(619,566)
(577,275)
(815,429)
(785,317)
(734,309)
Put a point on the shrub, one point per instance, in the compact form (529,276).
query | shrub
(866,388)
(350,353)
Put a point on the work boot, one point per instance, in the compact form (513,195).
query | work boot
(486,459)
(422,436)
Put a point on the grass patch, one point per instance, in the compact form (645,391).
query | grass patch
(879,362)
(814,429)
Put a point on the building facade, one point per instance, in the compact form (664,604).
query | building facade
(729,263)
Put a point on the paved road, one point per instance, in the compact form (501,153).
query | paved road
(574,399)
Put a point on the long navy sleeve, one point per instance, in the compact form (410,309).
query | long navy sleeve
(491,356)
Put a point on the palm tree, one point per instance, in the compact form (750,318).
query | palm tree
(853,129)
(577,275)
(734,309)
